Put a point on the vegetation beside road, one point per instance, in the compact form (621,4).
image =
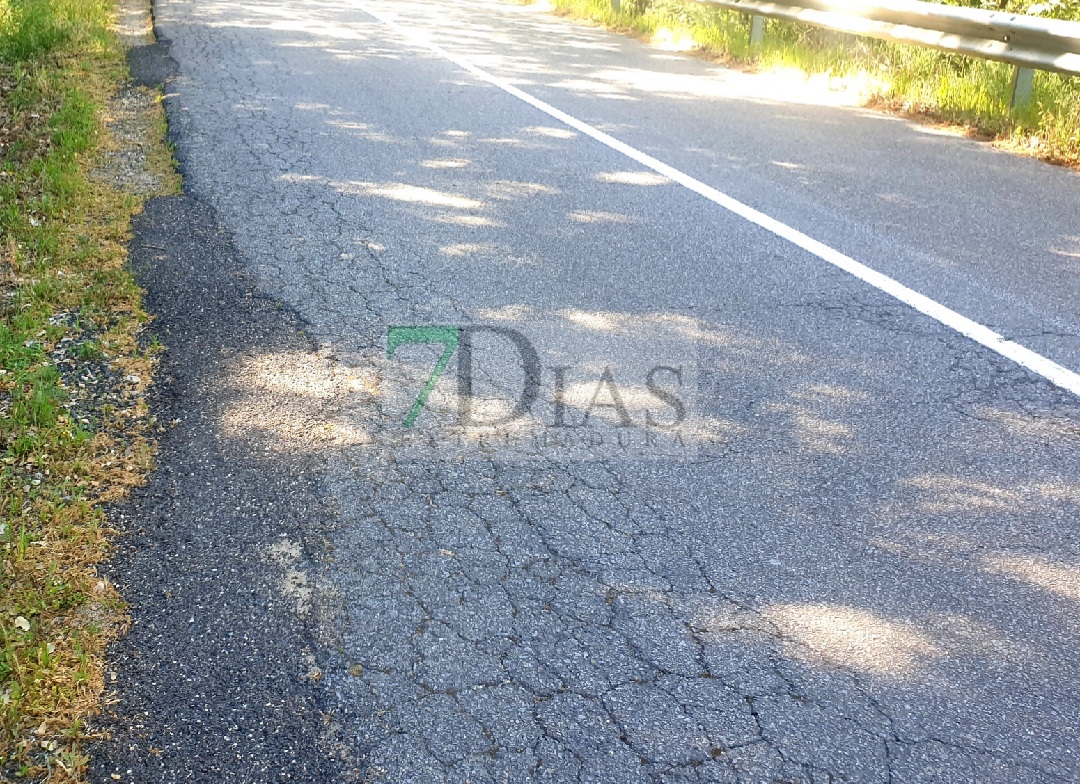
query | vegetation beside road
(74,431)
(944,88)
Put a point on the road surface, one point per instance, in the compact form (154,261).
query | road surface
(683,500)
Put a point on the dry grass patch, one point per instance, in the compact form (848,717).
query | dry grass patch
(75,432)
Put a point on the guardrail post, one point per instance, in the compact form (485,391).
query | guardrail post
(757,29)
(1021,86)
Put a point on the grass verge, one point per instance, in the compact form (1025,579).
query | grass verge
(941,88)
(74,430)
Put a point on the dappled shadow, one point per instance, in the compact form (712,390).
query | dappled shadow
(1061,579)
(852,638)
(858,535)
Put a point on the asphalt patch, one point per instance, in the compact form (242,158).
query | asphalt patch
(215,681)
(151,65)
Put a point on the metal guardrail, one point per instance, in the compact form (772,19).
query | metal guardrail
(1028,42)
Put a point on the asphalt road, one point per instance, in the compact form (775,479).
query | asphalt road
(686,503)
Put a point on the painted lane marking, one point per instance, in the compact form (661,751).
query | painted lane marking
(1025,357)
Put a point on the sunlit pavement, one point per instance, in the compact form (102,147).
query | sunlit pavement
(681,501)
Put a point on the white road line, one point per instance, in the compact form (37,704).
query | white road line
(1025,357)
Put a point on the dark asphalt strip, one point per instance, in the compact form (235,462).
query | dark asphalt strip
(214,681)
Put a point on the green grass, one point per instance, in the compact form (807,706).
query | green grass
(62,276)
(941,87)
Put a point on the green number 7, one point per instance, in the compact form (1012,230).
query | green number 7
(403,336)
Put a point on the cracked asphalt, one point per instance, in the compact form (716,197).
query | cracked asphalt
(801,533)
